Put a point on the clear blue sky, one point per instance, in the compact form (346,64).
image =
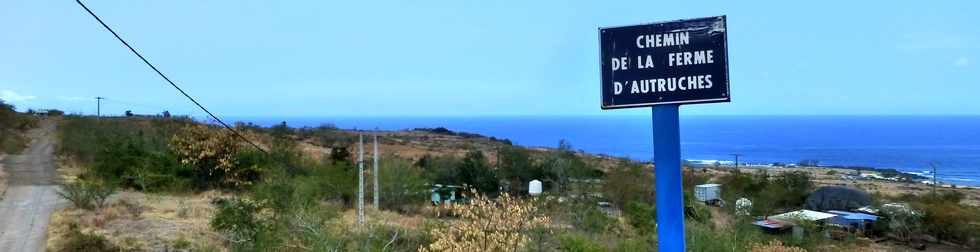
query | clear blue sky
(435,58)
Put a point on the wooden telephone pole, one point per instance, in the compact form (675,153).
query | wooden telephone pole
(736,160)
(98,106)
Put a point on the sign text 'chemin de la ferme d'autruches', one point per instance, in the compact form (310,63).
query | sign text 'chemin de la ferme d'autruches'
(677,62)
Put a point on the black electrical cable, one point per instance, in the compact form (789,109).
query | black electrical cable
(229,128)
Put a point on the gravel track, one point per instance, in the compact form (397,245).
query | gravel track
(31,197)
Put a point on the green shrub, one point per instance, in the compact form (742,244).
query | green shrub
(78,241)
(86,195)
(238,219)
(327,135)
(12,127)
(630,244)
(100,193)
(278,194)
(589,218)
(440,169)
(403,186)
(84,138)
(573,242)
(694,210)
(329,182)
(474,170)
(76,194)
(701,237)
(516,167)
(943,216)
(629,182)
(308,227)
(564,165)
(641,216)
(130,152)
(378,237)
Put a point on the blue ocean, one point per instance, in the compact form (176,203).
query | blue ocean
(905,143)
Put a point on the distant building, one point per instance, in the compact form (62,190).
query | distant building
(783,221)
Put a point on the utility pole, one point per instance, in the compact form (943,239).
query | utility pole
(98,106)
(934,180)
(736,160)
(360,180)
(377,188)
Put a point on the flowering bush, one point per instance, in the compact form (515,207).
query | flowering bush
(500,224)
(774,246)
(214,153)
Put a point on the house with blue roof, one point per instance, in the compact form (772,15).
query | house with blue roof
(852,220)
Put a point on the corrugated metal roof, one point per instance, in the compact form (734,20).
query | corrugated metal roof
(855,216)
(774,224)
(803,215)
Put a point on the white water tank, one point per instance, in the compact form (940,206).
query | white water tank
(534,187)
(707,192)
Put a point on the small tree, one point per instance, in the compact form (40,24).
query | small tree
(564,166)
(514,165)
(475,171)
(401,184)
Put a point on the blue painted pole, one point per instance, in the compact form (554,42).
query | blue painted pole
(670,195)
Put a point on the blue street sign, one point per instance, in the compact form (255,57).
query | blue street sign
(664,65)
(676,62)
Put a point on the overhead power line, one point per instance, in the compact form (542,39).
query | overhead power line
(229,128)
(135,104)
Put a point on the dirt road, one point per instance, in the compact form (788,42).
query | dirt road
(26,208)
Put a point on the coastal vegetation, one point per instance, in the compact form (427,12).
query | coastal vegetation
(299,193)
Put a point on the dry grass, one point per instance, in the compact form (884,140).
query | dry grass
(348,218)
(413,145)
(144,222)
(68,169)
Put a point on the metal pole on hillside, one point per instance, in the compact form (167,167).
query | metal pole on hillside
(377,188)
(98,106)
(935,181)
(360,179)
(736,160)
(666,158)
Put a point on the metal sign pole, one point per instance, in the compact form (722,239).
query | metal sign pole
(669,192)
